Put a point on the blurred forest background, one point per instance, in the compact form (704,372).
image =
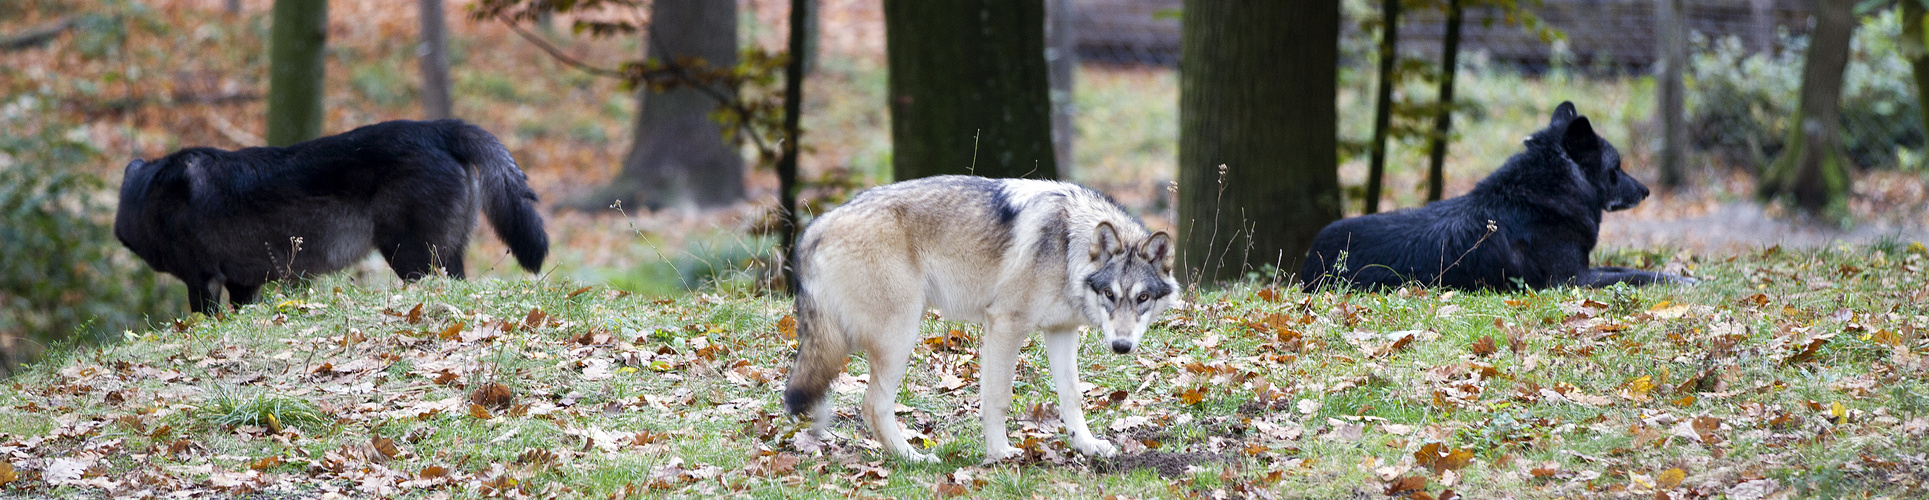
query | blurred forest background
(87,85)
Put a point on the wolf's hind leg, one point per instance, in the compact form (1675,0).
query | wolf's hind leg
(1062,349)
(888,355)
(204,297)
(240,295)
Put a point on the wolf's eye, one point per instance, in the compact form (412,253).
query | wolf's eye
(1109,296)
(1144,296)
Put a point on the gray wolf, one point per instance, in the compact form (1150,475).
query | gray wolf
(1014,255)
(409,189)
(1531,223)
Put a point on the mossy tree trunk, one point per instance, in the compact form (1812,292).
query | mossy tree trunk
(968,88)
(1257,89)
(1813,169)
(1915,48)
(296,70)
(798,41)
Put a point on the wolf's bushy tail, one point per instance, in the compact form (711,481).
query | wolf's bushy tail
(821,352)
(506,197)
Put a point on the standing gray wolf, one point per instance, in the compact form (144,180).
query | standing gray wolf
(238,219)
(1532,223)
(1014,255)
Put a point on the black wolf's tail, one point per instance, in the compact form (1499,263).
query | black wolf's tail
(821,353)
(506,197)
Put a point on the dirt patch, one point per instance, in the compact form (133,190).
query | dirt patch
(1166,463)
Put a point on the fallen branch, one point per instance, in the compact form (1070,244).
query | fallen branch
(36,35)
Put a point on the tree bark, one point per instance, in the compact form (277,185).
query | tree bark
(1383,102)
(969,92)
(1443,118)
(1672,50)
(800,17)
(1812,169)
(1761,20)
(1916,49)
(678,157)
(296,70)
(233,6)
(434,51)
(1061,55)
(1257,89)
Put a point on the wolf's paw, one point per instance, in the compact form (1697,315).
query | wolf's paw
(1000,453)
(1683,280)
(914,456)
(1094,447)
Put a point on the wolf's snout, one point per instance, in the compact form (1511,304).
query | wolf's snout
(1121,346)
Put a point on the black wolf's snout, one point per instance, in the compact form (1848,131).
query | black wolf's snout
(1121,346)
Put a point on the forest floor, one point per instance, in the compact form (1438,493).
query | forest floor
(1795,369)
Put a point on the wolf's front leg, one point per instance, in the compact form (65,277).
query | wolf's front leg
(998,366)
(1062,349)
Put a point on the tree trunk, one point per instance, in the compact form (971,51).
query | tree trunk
(1916,49)
(968,88)
(800,16)
(296,71)
(1257,89)
(1061,55)
(1443,118)
(1383,102)
(678,157)
(434,51)
(233,6)
(1813,168)
(1673,52)
(1761,20)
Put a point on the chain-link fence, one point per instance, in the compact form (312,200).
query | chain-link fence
(1743,76)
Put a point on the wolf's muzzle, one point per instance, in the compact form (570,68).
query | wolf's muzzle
(1121,346)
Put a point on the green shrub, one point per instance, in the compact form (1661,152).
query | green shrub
(63,276)
(1739,103)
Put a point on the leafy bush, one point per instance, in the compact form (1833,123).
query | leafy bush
(1739,102)
(63,276)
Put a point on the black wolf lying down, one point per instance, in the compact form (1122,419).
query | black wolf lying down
(238,219)
(1532,223)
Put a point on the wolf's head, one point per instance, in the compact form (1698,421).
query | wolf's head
(1600,163)
(1131,283)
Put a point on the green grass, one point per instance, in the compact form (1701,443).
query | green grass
(1255,389)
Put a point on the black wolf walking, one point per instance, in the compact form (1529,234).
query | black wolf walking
(410,189)
(1532,223)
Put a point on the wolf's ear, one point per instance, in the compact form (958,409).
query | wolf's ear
(1564,113)
(1158,249)
(1105,243)
(1581,144)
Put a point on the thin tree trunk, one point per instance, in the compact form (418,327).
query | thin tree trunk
(678,157)
(296,71)
(1672,49)
(234,6)
(434,51)
(1443,118)
(793,111)
(1761,20)
(1916,50)
(1061,54)
(1383,102)
(969,92)
(1813,168)
(1257,89)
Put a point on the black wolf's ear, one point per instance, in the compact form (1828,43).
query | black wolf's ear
(1105,243)
(1564,113)
(1581,144)
(1158,249)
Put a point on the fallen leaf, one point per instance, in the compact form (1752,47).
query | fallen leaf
(787,326)
(1406,485)
(1669,479)
(478,412)
(1485,346)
